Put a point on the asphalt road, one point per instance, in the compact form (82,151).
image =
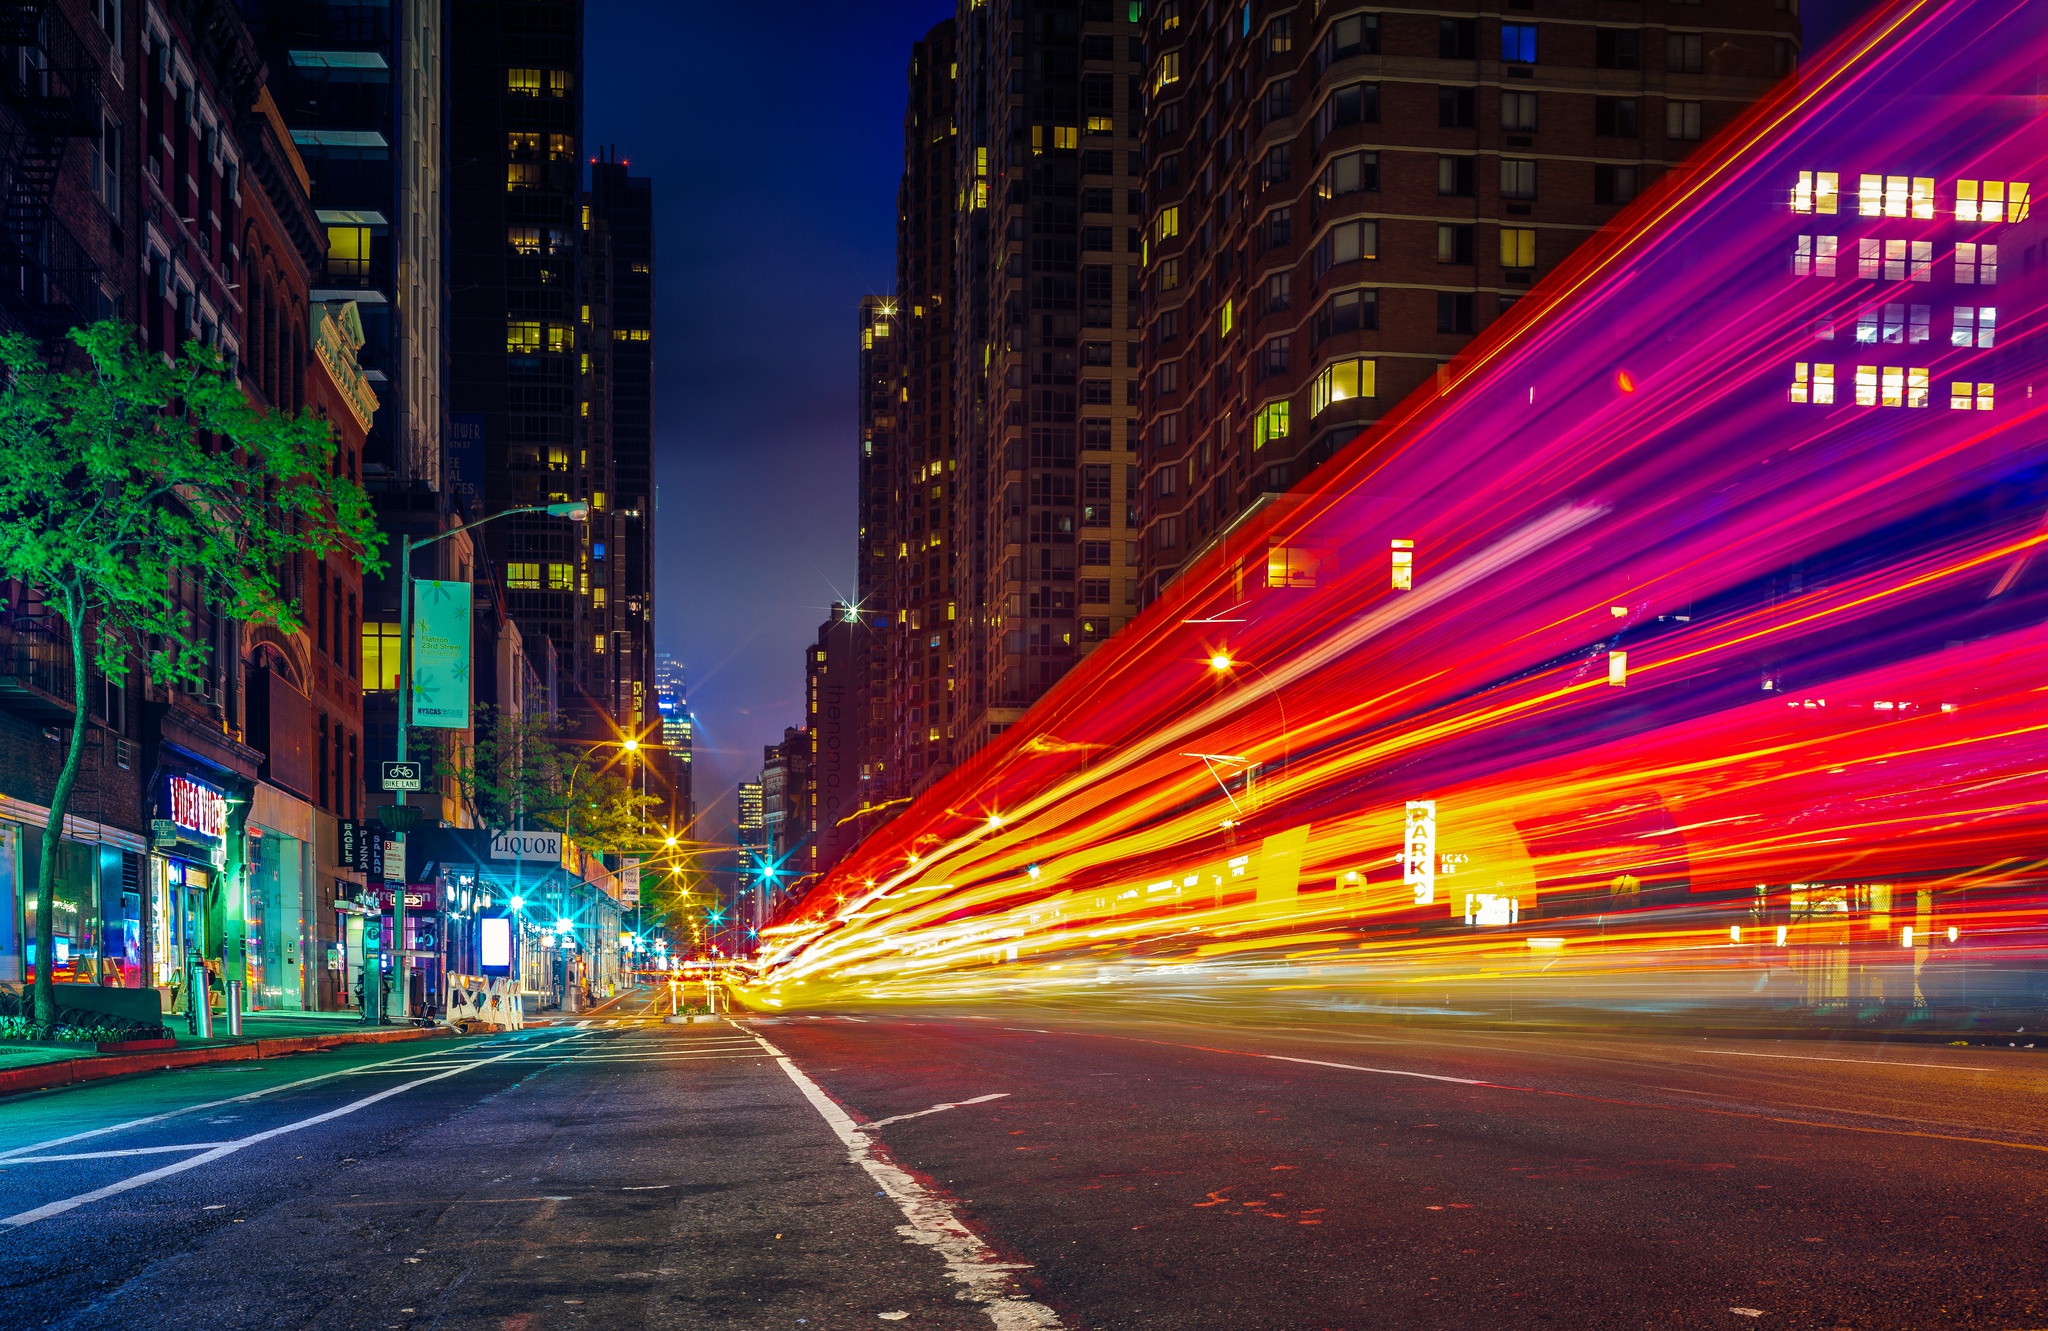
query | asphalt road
(1152,1165)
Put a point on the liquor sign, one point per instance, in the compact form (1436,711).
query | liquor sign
(545,846)
(198,808)
(440,655)
(1418,853)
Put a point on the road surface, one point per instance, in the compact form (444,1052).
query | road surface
(1144,1165)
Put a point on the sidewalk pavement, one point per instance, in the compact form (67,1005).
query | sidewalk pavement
(35,1067)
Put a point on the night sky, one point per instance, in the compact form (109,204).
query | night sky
(774,137)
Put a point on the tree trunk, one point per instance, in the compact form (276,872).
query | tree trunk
(53,830)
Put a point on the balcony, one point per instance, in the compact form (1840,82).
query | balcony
(35,669)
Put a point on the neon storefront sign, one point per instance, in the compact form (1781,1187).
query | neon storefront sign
(198,808)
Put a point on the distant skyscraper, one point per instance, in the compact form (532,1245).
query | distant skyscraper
(672,703)
(752,830)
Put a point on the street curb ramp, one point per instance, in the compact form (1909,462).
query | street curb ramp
(73,1071)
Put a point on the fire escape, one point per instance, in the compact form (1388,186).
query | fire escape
(48,96)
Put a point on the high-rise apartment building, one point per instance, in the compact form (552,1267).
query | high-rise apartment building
(883,547)
(1338,198)
(519,342)
(618,429)
(361,88)
(1045,342)
(923,682)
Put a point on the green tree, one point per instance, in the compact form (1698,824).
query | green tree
(530,771)
(136,470)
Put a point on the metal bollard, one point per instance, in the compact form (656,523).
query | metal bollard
(234,1007)
(201,1004)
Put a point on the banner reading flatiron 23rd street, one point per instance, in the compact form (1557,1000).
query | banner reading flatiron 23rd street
(440,654)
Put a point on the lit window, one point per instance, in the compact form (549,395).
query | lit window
(1291,566)
(1403,562)
(523,577)
(1349,174)
(1225,320)
(597,597)
(1815,384)
(522,176)
(1518,43)
(558,83)
(524,240)
(1977,265)
(1962,395)
(1270,423)
(521,335)
(1974,326)
(1816,192)
(1866,385)
(597,644)
(1342,381)
(1167,72)
(1923,197)
(1066,136)
(1814,256)
(523,82)
(380,655)
(1916,388)
(561,577)
(348,252)
(1517,247)
(1892,387)
(1991,201)
(1517,178)
(1168,224)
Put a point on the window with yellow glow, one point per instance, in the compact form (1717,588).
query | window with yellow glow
(1991,201)
(524,240)
(1962,396)
(1402,561)
(561,577)
(523,577)
(1292,566)
(523,82)
(1270,423)
(522,335)
(522,176)
(1341,381)
(1066,136)
(1168,224)
(1167,72)
(1517,247)
(381,642)
(1817,192)
(348,252)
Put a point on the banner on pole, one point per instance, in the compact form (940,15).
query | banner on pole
(440,654)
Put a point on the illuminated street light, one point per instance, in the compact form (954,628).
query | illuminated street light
(1219,662)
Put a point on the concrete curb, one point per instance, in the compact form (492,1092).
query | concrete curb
(72,1071)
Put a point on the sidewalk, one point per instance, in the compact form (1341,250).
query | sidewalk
(26,1067)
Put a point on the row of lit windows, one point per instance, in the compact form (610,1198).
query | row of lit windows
(1969,325)
(1912,196)
(1883,386)
(1893,260)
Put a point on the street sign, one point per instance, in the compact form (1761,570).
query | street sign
(370,854)
(349,840)
(402,776)
(545,846)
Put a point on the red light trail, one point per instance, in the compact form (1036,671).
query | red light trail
(1680,646)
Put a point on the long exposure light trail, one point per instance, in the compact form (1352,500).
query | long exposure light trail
(1680,646)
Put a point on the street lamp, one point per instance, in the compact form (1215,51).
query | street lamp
(400,817)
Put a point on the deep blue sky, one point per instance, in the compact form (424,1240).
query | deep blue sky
(774,137)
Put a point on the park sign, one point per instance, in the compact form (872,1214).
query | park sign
(440,654)
(544,846)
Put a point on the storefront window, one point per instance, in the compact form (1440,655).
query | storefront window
(275,923)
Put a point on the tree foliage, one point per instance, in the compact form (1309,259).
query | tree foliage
(139,490)
(531,771)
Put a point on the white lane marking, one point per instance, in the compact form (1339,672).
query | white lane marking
(209,1104)
(973,1265)
(1384,1072)
(60,1206)
(1029,1030)
(110,1155)
(1871,1062)
(935,1109)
